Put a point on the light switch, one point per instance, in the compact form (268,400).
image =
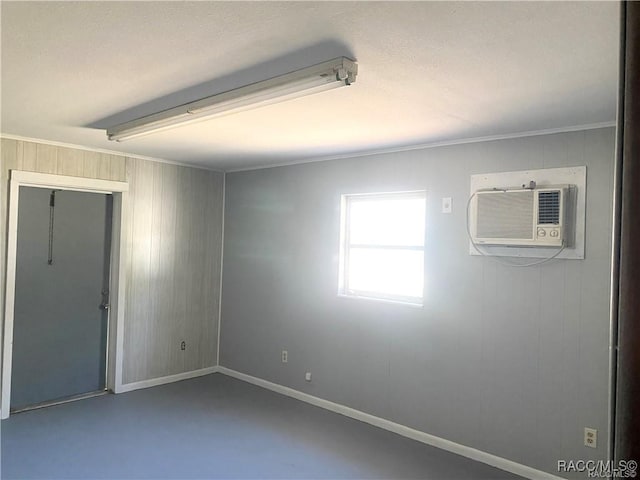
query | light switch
(446,204)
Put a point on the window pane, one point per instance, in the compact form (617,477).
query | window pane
(389,272)
(387,221)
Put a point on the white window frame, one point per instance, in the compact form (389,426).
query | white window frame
(345,246)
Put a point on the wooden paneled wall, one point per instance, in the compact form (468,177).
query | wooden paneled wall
(174,245)
(173,270)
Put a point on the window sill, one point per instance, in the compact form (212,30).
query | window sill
(382,300)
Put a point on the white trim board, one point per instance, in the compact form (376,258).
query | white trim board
(362,153)
(117,281)
(129,387)
(463,450)
(154,382)
(423,146)
(224,199)
(53,143)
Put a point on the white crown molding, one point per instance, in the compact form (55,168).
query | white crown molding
(422,146)
(10,136)
(365,153)
(438,442)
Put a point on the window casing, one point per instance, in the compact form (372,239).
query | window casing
(382,246)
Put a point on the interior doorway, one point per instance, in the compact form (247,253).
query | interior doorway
(62,296)
(63,328)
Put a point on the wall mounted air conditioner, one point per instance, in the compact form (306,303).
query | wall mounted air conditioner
(521,217)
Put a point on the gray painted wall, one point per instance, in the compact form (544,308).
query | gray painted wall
(511,361)
(175,240)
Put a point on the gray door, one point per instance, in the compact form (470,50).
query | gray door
(62,271)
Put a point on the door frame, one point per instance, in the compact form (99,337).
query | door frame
(117,276)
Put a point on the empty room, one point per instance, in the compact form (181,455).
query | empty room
(319,240)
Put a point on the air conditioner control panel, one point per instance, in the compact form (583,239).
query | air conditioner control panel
(549,235)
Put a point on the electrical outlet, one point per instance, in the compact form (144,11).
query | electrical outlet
(285,356)
(183,345)
(590,437)
(307,376)
(446,204)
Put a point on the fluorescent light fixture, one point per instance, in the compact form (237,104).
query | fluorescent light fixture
(328,75)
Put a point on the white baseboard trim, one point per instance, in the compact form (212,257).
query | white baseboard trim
(472,453)
(128,387)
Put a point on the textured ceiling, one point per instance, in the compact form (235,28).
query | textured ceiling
(428,72)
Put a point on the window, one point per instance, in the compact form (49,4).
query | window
(382,246)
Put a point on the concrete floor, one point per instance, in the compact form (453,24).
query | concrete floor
(214,427)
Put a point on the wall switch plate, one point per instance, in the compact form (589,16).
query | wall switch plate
(446,204)
(285,356)
(307,376)
(590,437)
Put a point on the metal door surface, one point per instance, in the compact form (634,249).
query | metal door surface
(62,272)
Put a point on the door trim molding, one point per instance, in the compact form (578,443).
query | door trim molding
(117,281)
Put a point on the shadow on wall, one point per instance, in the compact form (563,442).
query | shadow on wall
(294,60)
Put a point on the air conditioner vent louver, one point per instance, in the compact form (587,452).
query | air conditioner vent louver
(505,215)
(549,208)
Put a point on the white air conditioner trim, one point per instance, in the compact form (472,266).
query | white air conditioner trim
(576,176)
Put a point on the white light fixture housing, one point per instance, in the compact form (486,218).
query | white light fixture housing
(335,73)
